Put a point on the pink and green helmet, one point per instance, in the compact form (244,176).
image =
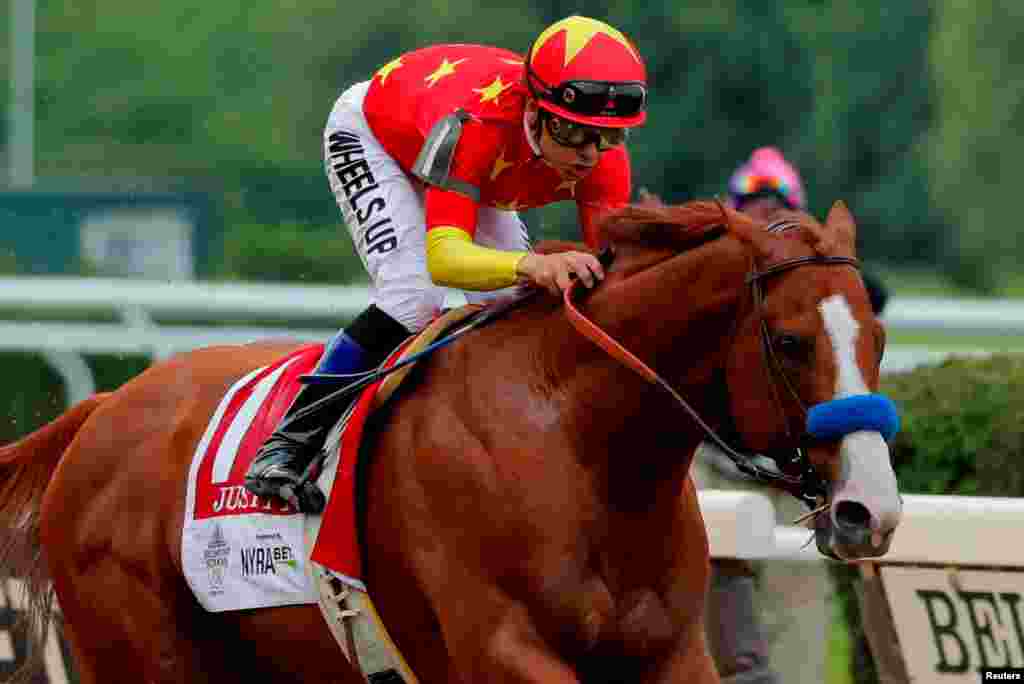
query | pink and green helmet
(767,173)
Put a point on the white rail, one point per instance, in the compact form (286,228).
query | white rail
(956,316)
(940,530)
(218,301)
(248,300)
(156,342)
(138,303)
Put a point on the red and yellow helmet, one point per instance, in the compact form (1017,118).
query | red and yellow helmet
(586,71)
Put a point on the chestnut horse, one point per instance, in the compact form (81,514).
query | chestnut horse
(529,514)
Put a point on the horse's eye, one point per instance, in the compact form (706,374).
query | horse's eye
(791,347)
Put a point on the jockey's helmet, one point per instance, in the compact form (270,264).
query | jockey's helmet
(767,173)
(586,71)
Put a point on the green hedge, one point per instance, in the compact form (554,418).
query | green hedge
(291,252)
(35,394)
(962,434)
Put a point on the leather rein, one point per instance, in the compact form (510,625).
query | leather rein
(808,486)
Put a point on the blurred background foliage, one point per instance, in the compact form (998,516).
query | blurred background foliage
(910,112)
(907,111)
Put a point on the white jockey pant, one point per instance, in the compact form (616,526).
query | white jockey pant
(383,209)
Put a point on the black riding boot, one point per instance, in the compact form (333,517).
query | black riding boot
(281,462)
(280,465)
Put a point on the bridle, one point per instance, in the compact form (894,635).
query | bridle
(807,486)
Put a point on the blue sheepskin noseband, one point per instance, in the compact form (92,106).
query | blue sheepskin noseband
(870,412)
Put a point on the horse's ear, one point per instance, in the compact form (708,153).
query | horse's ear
(747,230)
(840,222)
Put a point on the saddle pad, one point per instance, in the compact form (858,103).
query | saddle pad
(239,551)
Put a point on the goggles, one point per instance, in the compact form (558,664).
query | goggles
(750,186)
(570,134)
(599,98)
(591,98)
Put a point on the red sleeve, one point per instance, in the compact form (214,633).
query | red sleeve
(474,155)
(450,208)
(607,187)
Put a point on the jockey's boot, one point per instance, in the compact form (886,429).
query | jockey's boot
(282,460)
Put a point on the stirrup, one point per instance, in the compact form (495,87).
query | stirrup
(306,498)
(302,495)
(279,479)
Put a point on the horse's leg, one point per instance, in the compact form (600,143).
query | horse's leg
(491,637)
(485,634)
(125,629)
(293,644)
(85,675)
(175,642)
(132,616)
(690,661)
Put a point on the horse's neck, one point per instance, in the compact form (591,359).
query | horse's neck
(676,316)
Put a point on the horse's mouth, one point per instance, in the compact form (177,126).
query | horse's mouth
(864,506)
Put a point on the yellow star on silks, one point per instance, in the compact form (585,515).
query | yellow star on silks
(578,32)
(386,70)
(567,185)
(446,69)
(492,91)
(500,165)
(516,62)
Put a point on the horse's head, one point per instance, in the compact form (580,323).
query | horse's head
(803,373)
(798,372)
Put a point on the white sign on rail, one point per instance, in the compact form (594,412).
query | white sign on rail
(952,623)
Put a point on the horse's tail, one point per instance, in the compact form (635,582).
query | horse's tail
(26,467)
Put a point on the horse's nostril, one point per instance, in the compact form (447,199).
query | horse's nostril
(852,514)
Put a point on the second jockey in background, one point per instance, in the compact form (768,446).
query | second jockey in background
(767,183)
(430,161)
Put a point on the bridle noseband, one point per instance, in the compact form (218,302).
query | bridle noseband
(808,485)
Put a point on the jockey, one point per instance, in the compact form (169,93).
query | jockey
(431,159)
(767,183)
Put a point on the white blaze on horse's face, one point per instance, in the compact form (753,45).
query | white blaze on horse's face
(842,329)
(866,490)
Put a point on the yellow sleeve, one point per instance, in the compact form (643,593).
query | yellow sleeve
(454,260)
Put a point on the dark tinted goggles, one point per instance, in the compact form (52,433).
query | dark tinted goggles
(599,98)
(570,134)
(751,186)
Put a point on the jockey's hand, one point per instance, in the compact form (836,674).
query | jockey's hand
(554,272)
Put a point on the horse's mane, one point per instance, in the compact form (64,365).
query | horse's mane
(681,227)
(653,224)
(685,226)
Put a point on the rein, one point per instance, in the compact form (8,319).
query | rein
(808,486)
